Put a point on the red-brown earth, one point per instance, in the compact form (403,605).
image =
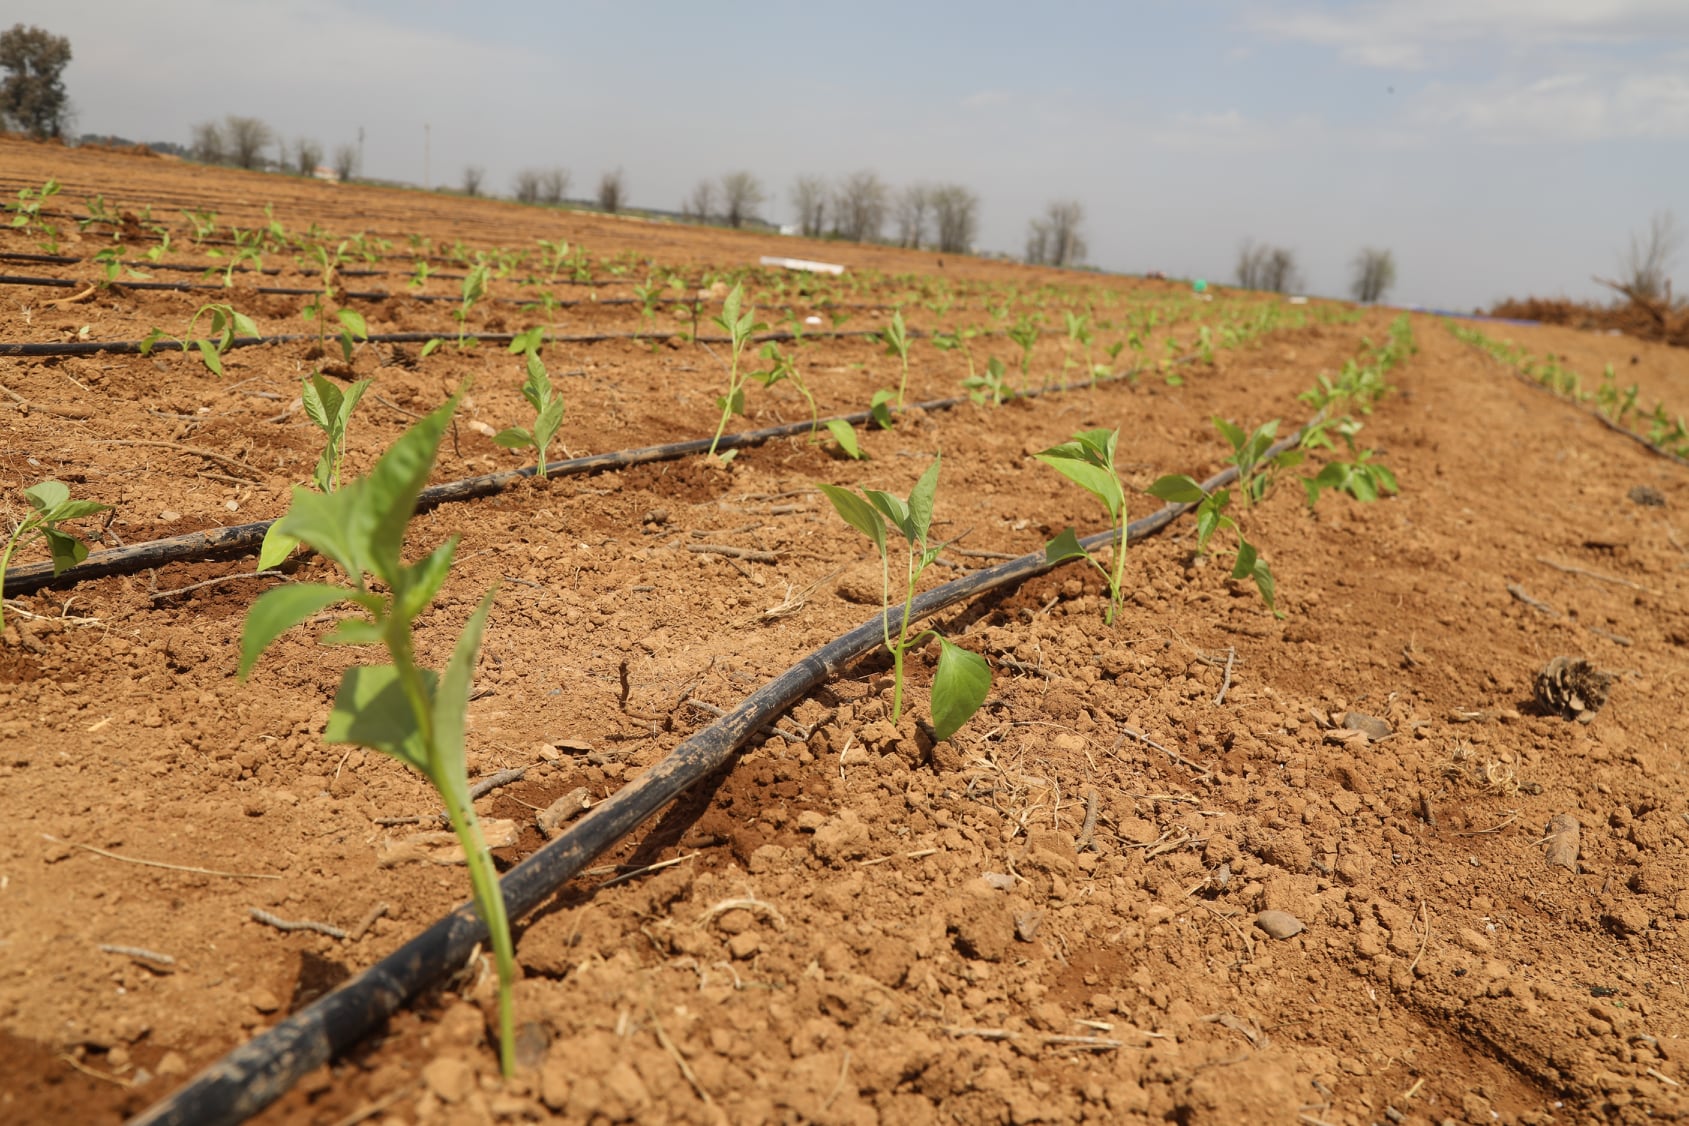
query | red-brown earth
(853,927)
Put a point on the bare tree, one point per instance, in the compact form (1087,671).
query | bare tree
(1270,268)
(1055,240)
(741,195)
(955,212)
(307,154)
(32,95)
(473,174)
(859,207)
(809,198)
(345,161)
(913,203)
(527,186)
(1375,273)
(612,191)
(245,139)
(554,185)
(1646,269)
(208,144)
(700,205)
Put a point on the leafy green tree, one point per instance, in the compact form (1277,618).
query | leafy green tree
(32,95)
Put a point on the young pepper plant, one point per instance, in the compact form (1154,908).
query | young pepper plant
(896,337)
(1088,461)
(537,389)
(962,679)
(740,324)
(1210,518)
(400,708)
(52,506)
(330,410)
(226,321)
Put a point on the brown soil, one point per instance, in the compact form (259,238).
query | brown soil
(854,929)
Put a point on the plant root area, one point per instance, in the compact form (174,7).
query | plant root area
(1204,865)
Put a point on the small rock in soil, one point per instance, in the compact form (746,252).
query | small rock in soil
(449,1078)
(1560,843)
(1279,924)
(1027,924)
(1647,496)
(1370,726)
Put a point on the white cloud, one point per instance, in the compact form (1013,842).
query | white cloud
(1419,34)
(1562,108)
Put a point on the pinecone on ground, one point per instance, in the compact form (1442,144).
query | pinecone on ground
(1572,687)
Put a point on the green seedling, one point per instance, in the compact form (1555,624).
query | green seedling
(649,295)
(782,366)
(1256,470)
(155,254)
(547,404)
(249,248)
(352,327)
(740,324)
(474,289)
(110,262)
(420,271)
(1088,461)
(962,679)
(26,212)
(50,505)
(98,213)
(896,338)
(958,340)
(1363,478)
(1024,333)
(1099,371)
(226,322)
(204,224)
(1210,518)
(992,385)
(399,709)
(1079,331)
(330,410)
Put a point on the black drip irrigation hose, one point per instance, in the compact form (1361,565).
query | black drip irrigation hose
(377,294)
(239,539)
(169,344)
(260,1071)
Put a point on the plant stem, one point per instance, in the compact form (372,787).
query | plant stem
(1119,573)
(6,559)
(489,901)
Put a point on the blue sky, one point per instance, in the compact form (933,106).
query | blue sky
(1498,147)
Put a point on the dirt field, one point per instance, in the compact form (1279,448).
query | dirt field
(1052,916)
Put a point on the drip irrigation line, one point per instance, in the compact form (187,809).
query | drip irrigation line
(53,259)
(373,294)
(237,539)
(167,344)
(256,1073)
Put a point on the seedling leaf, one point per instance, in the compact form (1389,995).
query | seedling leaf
(372,710)
(845,435)
(856,512)
(278,610)
(1065,546)
(1178,489)
(959,686)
